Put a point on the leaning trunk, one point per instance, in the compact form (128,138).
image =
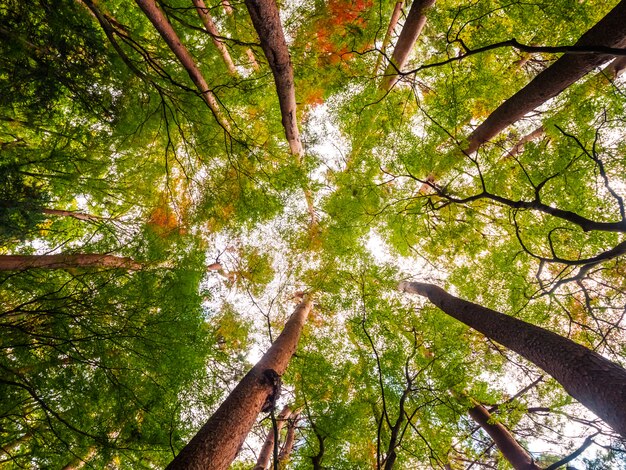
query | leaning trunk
(265,456)
(266,22)
(22,262)
(209,25)
(610,31)
(218,441)
(415,21)
(594,381)
(395,16)
(502,438)
(290,440)
(165,29)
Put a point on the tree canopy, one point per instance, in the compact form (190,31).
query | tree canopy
(178,176)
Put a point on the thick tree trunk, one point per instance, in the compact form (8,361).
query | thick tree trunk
(205,16)
(265,456)
(506,443)
(395,16)
(415,21)
(22,262)
(610,31)
(594,381)
(165,29)
(266,22)
(218,441)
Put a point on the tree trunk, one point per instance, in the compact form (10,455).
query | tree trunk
(205,16)
(415,21)
(506,443)
(519,146)
(594,381)
(165,29)
(610,31)
(218,441)
(395,16)
(266,22)
(290,440)
(22,262)
(265,456)
(616,67)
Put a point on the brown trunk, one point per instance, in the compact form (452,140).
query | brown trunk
(610,31)
(22,262)
(75,215)
(415,21)
(502,438)
(290,440)
(218,441)
(395,16)
(594,381)
(519,146)
(205,16)
(165,29)
(266,22)
(265,456)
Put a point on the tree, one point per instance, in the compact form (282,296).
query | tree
(587,376)
(608,32)
(219,440)
(415,21)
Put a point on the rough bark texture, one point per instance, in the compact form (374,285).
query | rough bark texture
(266,22)
(22,262)
(218,441)
(506,443)
(209,25)
(165,29)
(415,21)
(395,16)
(594,381)
(610,31)
(265,456)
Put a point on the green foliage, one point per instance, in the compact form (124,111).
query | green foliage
(107,147)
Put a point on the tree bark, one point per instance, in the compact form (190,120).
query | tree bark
(415,21)
(395,16)
(218,441)
(506,443)
(610,31)
(594,381)
(165,29)
(23,262)
(209,25)
(265,456)
(266,22)
(290,440)
(616,67)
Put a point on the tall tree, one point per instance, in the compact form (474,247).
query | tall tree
(270,443)
(216,444)
(515,454)
(165,29)
(66,261)
(609,32)
(596,382)
(266,20)
(415,21)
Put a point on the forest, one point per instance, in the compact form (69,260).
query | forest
(325,234)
